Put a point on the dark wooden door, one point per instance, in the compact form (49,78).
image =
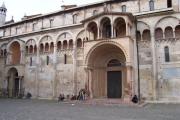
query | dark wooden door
(114,84)
(16,87)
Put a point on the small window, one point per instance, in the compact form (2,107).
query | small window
(16,30)
(30,61)
(74,18)
(51,22)
(33,26)
(151,5)
(94,12)
(47,60)
(124,8)
(169,3)
(65,59)
(166,53)
(4,33)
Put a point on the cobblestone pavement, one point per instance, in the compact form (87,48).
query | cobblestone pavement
(52,110)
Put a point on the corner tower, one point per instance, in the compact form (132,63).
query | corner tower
(3,11)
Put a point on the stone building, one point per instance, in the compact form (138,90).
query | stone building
(113,49)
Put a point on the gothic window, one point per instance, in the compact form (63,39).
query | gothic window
(71,44)
(46,47)
(30,61)
(146,35)
(151,5)
(177,31)
(41,48)
(52,47)
(124,8)
(158,33)
(47,60)
(59,45)
(31,49)
(169,3)
(168,32)
(65,44)
(65,59)
(79,43)
(35,49)
(166,53)
(27,49)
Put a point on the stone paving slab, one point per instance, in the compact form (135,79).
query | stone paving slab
(52,110)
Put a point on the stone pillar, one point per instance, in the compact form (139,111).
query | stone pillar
(55,72)
(37,72)
(154,65)
(22,57)
(88,81)
(127,29)
(90,77)
(128,88)
(75,68)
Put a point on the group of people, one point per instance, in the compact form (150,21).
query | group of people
(81,96)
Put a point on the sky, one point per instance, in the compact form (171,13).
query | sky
(19,8)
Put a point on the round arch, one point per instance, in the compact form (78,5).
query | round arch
(45,38)
(102,43)
(64,36)
(163,22)
(103,75)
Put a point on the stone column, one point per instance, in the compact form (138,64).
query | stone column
(98,34)
(112,30)
(174,35)
(154,65)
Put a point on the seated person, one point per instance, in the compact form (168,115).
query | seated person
(61,97)
(135,99)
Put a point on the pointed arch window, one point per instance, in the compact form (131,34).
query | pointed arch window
(30,61)
(47,60)
(166,54)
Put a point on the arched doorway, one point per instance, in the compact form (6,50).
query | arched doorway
(14,83)
(107,74)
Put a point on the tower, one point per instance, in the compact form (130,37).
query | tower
(3,11)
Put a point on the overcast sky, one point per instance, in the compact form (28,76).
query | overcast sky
(18,8)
